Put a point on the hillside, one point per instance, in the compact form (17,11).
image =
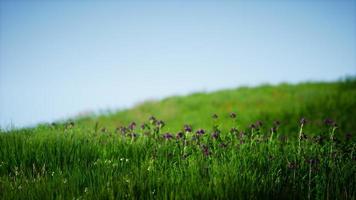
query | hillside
(285,142)
(285,102)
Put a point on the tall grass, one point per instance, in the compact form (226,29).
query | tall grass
(225,157)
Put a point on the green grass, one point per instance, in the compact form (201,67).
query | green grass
(94,160)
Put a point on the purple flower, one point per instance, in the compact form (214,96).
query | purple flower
(180,135)
(132,126)
(303,121)
(132,135)
(253,126)
(303,136)
(318,139)
(167,136)
(205,150)
(187,128)
(277,123)
(215,135)
(160,124)
(123,130)
(233,115)
(234,130)
(292,165)
(152,120)
(200,132)
(259,123)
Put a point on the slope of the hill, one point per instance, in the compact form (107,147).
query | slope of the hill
(285,102)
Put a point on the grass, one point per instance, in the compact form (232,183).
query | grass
(108,157)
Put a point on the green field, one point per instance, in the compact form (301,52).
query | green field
(265,152)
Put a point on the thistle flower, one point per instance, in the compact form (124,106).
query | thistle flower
(318,139)
(259,123)
(303,121)
(329,122)
(292,165)
(215,135)
(205,150)
(167,136)
(253,126)
(123,130)
(132,126)
(274,129)
(277,123)
(214,116)
(152,120)
(160,124)
(187,128)
(234,130)
(233,115)
(348,136)
(143,126)
(200,132)
(180,135)
(303,136)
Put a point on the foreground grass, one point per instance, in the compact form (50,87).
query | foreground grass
(229,158)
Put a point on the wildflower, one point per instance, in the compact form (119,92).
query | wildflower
(259,123)
(215,135)
(318,139)
(253,126)
(303,136)
(274,129)
(167,136)
(214,116)
(276,123)
(222,145)
(328,122)
(303,121)
(234,130)
(152,120)
(143,126)
(180,135)
(132,126)
(123,130)
(160,124)
(233,115)
(187,128)
(200,132)
(205,150)
(292,165)
(348,136)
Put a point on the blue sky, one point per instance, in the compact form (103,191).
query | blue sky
(60,58)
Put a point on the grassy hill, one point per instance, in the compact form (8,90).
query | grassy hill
(265,152)
(285,102)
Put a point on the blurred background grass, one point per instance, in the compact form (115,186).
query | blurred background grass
(287,103)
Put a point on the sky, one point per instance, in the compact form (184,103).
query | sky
(61,58)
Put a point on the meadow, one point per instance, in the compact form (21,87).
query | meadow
(268,142)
